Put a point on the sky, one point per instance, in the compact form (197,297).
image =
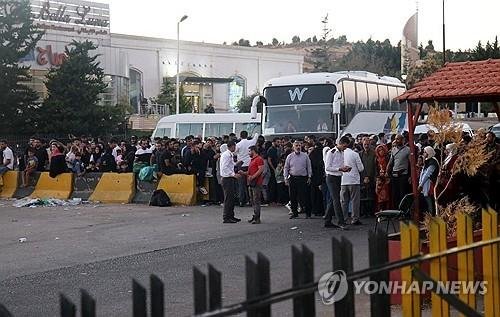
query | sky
(219,21)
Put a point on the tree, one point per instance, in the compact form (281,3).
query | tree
(275,42)
(72,105)
(321,55)
(244,105)
(167,97)
(315,39)
(295,39)
(243,42)
(417,73)
(18,37)
(373,56)
(259,43)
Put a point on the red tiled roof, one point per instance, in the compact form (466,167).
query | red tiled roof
(458,82)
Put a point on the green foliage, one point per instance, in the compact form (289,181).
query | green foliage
(373,56)
(18,37)
(295,39)
(417,73)
(72,105)
(321,55)
(245,104)
(275,42)
(167,97)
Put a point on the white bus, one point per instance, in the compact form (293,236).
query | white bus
(326,104)
(206,125)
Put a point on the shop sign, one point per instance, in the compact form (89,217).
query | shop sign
(46,56)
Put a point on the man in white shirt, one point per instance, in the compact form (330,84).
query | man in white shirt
(229,184)
(334,168)
(242,150)
(8,158)
(350,190)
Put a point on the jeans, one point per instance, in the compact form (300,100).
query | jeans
(242,187)
(4,169)
(334,185)
(256,198)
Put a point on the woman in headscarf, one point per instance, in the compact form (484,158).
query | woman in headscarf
(382,187)
(57,159)
(428,178)
(446,186)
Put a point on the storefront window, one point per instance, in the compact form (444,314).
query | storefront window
(135,93)
(236,91)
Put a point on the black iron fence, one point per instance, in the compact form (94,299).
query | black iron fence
(259,299)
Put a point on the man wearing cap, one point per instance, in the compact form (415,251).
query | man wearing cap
(297,173)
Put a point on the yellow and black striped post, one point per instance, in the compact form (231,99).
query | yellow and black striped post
(410,246)
(438,266)
(490,264)
(465,259)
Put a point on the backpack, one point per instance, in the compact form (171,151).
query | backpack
(147,173)
(160,199)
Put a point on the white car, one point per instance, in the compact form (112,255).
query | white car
(496,129)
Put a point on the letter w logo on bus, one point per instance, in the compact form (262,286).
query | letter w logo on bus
(297,93)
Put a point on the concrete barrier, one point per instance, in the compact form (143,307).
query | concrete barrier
(10,184)
(180,188)
(22,192)
(84,186)
(143,191)
(59,187)
(114,188)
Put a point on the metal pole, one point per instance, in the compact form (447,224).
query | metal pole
(177,77)
(444,39)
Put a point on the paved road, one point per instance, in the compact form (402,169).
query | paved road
(101,248)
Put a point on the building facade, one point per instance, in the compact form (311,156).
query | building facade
(136,67)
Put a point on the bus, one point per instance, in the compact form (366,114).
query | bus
(206,125)
(331,104)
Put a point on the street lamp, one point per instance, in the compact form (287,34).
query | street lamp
(178,49)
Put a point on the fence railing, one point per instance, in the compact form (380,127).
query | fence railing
(259,299)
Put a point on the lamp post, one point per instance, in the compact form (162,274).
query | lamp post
(444,39)
(178,62)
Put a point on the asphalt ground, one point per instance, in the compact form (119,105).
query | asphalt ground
(100,248)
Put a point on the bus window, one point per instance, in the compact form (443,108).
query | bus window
(349,109)
(225,129)
(362,96)
(163,132)
(218,129)
(402,106)
(185,129)
(373,97)
(212,129)
(393,93)
(251,128)
(385,103)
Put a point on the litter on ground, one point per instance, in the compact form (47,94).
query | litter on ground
(49,202)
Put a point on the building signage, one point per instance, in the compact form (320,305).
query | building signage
(72,16)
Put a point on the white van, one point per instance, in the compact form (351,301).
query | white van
(206,125)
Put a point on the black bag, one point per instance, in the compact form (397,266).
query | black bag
(160,199)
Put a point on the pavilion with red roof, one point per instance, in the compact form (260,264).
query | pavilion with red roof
(455,82)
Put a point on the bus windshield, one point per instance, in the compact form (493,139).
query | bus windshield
(297,109)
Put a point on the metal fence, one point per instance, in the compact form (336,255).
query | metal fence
(259,299)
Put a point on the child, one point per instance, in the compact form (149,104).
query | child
(31,165)
(92,168)
(78,167)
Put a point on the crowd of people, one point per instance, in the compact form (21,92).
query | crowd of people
(343,181)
